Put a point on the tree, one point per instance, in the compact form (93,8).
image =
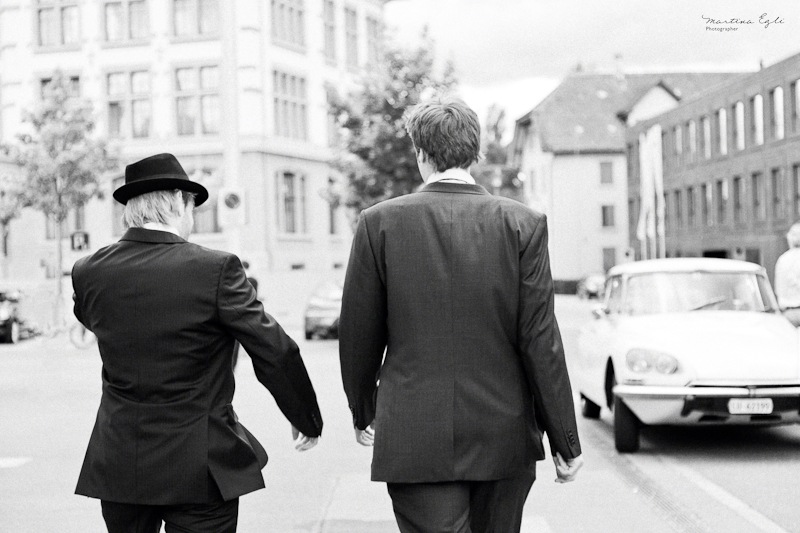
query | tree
(493,172)
(60,159)
(10,205)
(377,155)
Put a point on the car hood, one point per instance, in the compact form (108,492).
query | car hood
(721,345)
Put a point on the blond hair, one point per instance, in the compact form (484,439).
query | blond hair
(156,206)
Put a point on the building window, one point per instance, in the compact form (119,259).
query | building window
(759,196)
(795,105)
(722,201)
(609,258)
(796,189)
(705,204)
(679,207)
(197,102)
(738,130)
(290,106)
(129,107)
(606,172)
(288,23)
(206,217)
(195,17)
(58,22)
(608,216)
(677,144)
(373,42)
(291,203)
(738,199)
(757,119)
(334,135)
(722,131)
(75,221)
(690,207)
(74,86)
(351,38)
(632,212)
(692,128)
(329,21)
(779,193)
(776,114)
(705,139)
(125,20)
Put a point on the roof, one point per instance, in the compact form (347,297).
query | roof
(581,114)
(685,264)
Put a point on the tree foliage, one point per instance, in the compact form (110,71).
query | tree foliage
(61,160)
(377,156)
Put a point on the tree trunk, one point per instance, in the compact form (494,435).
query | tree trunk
(58,308)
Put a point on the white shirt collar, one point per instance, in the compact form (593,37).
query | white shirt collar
(160,227)
(454,174)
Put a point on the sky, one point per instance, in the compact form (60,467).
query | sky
(514,52)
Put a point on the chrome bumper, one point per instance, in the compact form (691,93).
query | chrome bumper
(673,405)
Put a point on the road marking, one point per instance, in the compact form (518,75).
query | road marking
(13,462)
(724,497)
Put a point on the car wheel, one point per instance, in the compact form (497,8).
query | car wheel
(626,427)
(589,409)
(309,335)
(12,335)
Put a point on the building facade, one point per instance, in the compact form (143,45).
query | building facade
(727,169)
(238,90)
(570,150)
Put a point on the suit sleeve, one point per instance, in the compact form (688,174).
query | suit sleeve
(541,347)
(276,357)
(362,327)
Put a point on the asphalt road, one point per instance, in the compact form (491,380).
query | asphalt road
(683,480)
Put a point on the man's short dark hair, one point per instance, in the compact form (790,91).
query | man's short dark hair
(448,131)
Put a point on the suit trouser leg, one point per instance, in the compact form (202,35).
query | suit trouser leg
(496,506)
(461,507)
(130,518)
(431,507)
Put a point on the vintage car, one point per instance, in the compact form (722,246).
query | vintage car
(321,316)
(688,341)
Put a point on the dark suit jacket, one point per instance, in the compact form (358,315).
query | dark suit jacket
(166,313)
(455,284)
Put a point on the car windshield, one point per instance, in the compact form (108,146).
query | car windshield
(674,292)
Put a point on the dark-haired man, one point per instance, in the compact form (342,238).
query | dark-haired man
(454,285)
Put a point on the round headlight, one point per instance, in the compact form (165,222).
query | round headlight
(666,364)
(639,361)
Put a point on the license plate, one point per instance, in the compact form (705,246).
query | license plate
(750,406)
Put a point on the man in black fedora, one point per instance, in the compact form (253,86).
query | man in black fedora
(167,445)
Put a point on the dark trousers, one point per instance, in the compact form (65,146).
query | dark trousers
(461,506)
(218,517)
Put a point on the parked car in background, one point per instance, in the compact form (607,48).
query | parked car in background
(688,341)
(10,322)
(322,311)
(591,286)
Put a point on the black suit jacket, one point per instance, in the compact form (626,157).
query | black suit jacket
(166,313)
(454,284)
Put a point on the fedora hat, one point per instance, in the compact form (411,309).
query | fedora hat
(160,172)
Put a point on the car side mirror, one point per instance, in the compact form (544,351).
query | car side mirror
(599,311)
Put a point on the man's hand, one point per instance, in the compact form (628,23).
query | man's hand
(366,437)
(567,470)
(301,442)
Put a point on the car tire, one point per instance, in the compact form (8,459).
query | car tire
(309,335)
(589,409)
(626,427)
(12,335)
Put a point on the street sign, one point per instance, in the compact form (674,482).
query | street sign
(79,241)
